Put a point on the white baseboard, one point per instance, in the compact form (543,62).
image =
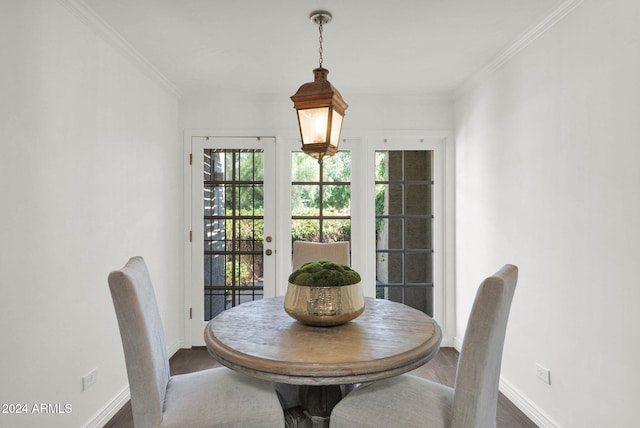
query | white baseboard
(175,347)
(527,406)
(520,400)
(101,419)
(447,342)
(457,343)
(121,399)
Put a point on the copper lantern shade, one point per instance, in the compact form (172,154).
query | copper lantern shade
(320,107)
(320,112)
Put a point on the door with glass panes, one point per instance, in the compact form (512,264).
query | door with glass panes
(233,228)
(404,194)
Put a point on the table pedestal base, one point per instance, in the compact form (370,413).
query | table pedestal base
(316,404)
(388,339)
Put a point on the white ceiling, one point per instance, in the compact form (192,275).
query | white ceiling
(371,47)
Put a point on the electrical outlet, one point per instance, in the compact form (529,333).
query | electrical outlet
(89,379)
(543,374)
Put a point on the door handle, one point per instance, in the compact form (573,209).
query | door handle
(268,239)
(268,252)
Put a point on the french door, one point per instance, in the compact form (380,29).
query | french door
(406,195)
(233,229)
(405,227)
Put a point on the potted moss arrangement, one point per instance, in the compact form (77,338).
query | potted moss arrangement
(324,293)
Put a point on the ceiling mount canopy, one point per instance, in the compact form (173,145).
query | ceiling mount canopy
(319,105)
(320,17)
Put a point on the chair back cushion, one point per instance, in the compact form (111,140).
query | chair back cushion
(143,341)
(477,377)
(337,252)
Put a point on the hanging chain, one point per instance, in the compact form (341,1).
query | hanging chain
(320,40)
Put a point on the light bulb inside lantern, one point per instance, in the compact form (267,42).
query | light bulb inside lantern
(321,129)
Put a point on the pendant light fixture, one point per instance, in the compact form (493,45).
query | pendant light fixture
(320,106)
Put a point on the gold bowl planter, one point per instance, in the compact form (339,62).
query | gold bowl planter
(324,306)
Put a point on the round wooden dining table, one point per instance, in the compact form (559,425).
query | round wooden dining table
(261,340)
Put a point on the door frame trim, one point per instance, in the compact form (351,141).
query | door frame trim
(188,136)
(284,140)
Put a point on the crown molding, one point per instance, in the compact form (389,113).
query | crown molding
(520,44)
(88,16)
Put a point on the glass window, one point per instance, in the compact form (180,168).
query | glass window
(321,198)
(404,227)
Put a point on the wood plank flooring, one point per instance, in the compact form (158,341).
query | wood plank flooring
(441,369)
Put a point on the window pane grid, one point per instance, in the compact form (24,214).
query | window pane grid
(321,198)
(233,228)
(404,223)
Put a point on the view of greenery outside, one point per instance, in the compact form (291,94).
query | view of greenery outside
(380,191)
(321,198)
(246,202)
(320,212)
(234,211)
(381,204)
(233,227)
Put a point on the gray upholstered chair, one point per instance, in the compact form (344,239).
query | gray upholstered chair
(215,397)
(304,251)
(409,401)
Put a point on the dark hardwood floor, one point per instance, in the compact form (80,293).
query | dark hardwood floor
(441,369)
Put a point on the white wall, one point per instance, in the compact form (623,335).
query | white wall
(366,113)
(90,174)
(548,179)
